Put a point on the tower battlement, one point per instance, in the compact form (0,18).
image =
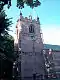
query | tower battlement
(29,19)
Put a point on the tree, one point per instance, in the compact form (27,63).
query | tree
(20,3)
(4,26)
(7,56)
(31,3)
(6,45)
(4,22)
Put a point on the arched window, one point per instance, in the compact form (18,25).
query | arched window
(31,29)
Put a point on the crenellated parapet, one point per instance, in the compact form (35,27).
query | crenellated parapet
(28,19)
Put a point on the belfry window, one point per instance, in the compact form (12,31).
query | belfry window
(31,29)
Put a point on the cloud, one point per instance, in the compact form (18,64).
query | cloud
(51,34)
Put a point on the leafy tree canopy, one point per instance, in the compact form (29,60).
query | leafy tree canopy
(7,47)
(31,3)
(4,22)
(6,40)
(20,3)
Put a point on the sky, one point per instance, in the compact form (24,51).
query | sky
(49,15)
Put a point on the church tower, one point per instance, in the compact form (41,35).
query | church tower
(29,45)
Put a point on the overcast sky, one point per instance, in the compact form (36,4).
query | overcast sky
(49,14)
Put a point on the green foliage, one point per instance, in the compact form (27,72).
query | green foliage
(1,5)
(7,46)
(20,3)
(31,3)
(4,27)
(5,69)
(4,2)
(7,56)
(6,41)
(4,22)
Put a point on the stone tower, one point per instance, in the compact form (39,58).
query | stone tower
(29,45)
